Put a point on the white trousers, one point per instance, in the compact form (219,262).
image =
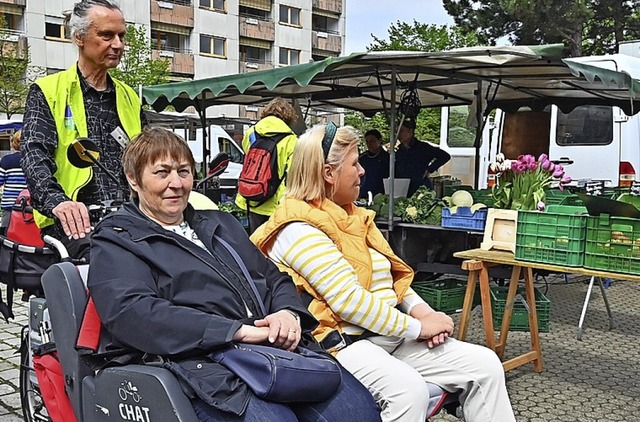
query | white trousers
(394,370)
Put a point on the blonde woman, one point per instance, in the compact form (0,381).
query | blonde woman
(389,338)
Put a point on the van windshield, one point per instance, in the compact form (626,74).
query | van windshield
(235,155)
(585,125)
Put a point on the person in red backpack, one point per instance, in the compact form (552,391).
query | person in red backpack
(276,120)
(12,180)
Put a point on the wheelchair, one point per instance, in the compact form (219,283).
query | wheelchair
(57,298)
(140,393)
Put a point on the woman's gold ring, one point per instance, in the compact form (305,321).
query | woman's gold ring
(291,330)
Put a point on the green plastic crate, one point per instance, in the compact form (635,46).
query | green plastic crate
(613,244)
(520,315)
(572,200)
(484,196)
(555,196)
(556,236)
(446,295)
(450,189)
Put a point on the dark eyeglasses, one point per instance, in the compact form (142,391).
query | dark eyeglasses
(329,133)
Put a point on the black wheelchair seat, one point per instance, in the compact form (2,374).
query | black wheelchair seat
(131,392)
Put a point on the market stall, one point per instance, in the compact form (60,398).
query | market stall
(482,77)
(505,77)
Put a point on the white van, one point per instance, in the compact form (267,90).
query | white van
(187,126)
(220,141)
(592,142)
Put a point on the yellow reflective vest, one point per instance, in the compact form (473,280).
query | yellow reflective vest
(63,89)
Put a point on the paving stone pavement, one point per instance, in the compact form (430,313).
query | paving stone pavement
(593,380)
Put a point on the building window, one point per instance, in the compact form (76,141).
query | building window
(289,56)
(289,15)
(56,31)
(213,46)
(168,41)
(254,13)
(12,22)
(254,55)
(213,4)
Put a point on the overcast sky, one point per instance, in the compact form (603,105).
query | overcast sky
(366,17)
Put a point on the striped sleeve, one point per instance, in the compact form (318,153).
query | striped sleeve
(313,255)
(410,300)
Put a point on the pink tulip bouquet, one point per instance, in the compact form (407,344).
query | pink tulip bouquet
(521,183)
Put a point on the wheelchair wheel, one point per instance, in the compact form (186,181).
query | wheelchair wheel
(33,408)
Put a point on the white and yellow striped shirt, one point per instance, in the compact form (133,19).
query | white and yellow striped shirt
(314,256)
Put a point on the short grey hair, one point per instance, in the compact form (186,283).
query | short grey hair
(77,20)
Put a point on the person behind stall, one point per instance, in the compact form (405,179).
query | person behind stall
(177,292)
(415,159)
(375,161)
(276,120)
(80,102)
(12,180)
(391,340)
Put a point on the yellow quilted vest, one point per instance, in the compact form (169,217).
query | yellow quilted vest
(353,231)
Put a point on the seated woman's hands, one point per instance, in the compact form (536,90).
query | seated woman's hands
(281,329)
(435,328)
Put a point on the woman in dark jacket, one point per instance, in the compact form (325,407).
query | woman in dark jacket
(164,284)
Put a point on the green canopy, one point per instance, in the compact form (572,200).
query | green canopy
(508,77)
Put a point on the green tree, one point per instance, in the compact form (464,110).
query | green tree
(616,21)
(423,37)
(137,67)
(585,27)
(415,36)
(16,74)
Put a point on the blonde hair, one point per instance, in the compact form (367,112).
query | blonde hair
(305,180)
(15,140)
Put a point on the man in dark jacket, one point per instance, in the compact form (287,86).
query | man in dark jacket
(416,159)
(375,162)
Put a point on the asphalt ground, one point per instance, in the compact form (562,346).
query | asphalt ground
(595,379)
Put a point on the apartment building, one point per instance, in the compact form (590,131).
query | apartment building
(201,38)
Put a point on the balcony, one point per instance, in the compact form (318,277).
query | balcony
(15,42)
(326,42)
(334,6)
(252,66)
(254,27)
(22,3)
(176,12)
(181,61)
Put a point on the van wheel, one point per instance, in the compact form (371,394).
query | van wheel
(33,408)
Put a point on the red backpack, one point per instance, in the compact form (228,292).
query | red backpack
(259,179)
(22,227)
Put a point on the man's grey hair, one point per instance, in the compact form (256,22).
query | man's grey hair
(77,20)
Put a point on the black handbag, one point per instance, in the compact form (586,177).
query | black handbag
(276,374)
(282,376)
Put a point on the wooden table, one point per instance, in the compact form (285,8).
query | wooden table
(478,261)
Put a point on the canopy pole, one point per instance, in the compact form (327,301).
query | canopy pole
(206,152)
(479,130)
(392,150)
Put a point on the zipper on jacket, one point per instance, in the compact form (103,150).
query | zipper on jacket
(233,287)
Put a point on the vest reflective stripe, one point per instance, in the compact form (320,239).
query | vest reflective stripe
(61,90)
